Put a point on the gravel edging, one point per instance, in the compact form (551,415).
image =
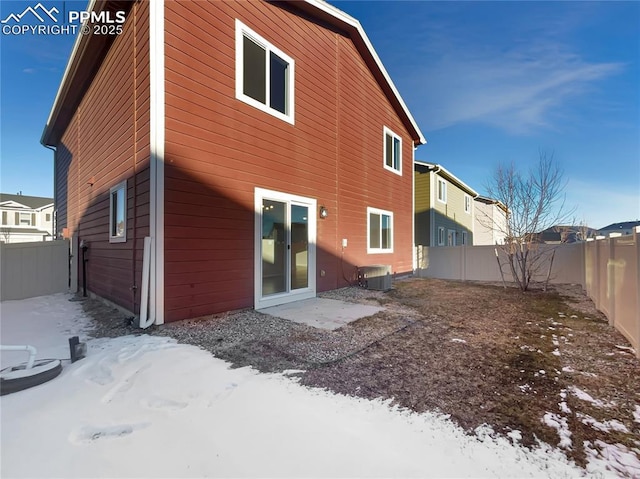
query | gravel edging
(267,343)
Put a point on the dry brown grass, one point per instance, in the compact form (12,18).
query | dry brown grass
(485,355)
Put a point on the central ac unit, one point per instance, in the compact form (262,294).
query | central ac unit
(377,276)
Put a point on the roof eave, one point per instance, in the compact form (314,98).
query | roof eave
(79,72)
(85,59)
(450,176)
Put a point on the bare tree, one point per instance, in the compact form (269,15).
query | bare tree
(5,234)
(535,201)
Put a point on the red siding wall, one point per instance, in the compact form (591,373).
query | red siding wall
(106,142)
(218,149)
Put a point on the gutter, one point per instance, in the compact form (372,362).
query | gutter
(434,167)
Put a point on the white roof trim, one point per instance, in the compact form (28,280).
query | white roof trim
(442,169)
(13,204)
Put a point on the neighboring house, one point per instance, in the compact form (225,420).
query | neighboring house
(260,146)
(443,207)
(624,228)
(490,221)
(25,219)
(564,234)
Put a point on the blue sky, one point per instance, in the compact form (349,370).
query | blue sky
(487,82)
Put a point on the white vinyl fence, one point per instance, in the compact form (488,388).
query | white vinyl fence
(33,269)
(607,268)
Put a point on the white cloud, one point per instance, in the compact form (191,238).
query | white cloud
(519,88)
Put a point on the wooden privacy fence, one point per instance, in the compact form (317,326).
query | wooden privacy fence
(607,268)
(33,269)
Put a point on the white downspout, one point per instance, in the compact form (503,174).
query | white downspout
(146,320)
(156,139)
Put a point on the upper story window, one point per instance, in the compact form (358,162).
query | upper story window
(379,231)
(442,190)
(264,74)
(118,213)
(392,151)
(26,219)
(467,204)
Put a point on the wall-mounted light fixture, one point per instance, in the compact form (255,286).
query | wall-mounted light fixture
(323,212)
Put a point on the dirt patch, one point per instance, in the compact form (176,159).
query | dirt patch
(488,355)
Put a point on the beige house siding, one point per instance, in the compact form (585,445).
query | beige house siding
(490,223)
(453,209)
(432,214)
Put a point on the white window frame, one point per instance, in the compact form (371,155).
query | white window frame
(441,236)
(376,211)
(387,131)
(114,189)
(243,30)
(29,219)
(467,204)
(451,235)
(444,191)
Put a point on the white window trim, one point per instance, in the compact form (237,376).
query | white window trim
(379,212)
(467,204)
(241,31)
(451,234)
(441,237)
(387,131)
(29,219)
(444,190)
(123,238)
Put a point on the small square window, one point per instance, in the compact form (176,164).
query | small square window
(264,74)
(379,231)
(467,204)
(118,213)
(392,151)
(442,190)
(47,217)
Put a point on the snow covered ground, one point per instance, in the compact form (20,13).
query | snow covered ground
(144,406)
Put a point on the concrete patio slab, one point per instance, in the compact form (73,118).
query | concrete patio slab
(321,312)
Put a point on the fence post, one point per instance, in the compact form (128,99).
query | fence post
(464,262)
(597,273)
(583,265)
(636,239)
(611,279)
